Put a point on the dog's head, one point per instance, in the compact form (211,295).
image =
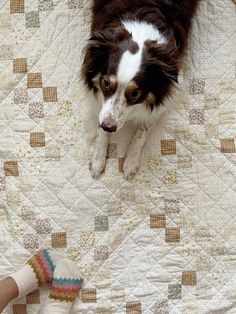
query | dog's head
(129,66)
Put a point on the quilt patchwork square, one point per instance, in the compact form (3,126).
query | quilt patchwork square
(157,221)
(172,235)
(19,309)
(33,297)
(20,65)
(34,80)
(89,295)
(133,307)
(50,94)
(227,145)
(37,139)
(11,168)
(59,239)
(189,278)
(17,6)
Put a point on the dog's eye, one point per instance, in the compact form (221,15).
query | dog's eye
(105,83)
(135,95)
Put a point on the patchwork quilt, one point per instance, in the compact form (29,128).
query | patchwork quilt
(164,243)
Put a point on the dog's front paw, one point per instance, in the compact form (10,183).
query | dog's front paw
(131,167)
(98,162)
(97,166)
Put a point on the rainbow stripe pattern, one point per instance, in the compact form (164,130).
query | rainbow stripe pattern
(43,267)
(65,289)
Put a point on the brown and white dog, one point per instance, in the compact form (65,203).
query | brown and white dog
(131,66)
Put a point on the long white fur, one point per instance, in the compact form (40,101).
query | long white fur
(130,63)
(142,31)
(107,108)
(129,66)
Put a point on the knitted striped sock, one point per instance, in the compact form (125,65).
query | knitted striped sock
(37,271)
(66,284)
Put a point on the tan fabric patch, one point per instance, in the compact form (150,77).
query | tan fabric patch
(172,235)
(50,94)
(227,146)
(103,309)
(157,221)
(19,309)
(20,65)
(33,297)
(37,139)
(189,278)
(17,6)
(34,80)
(11,168)
(121,164)
(89,295)
(59,239)
(168,147)
(133,307)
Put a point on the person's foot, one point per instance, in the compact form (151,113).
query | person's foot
(37,271)
(66,284)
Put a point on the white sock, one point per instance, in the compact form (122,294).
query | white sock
(66,284)
(37,271)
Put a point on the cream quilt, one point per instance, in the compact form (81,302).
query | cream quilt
(164,243)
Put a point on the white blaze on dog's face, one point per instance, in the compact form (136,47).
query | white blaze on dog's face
(116,107)
(120,90)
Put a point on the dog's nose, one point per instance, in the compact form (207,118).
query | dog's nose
(108,127)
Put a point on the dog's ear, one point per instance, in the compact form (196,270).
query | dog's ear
(109,37)
(95,61)
(97,52)
(165,57)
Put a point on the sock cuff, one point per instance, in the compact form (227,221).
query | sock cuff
(26,280)
(65,289)
(43,266)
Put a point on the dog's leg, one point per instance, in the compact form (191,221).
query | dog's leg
(133,156)
(99,157)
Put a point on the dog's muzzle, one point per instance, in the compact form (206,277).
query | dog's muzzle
(109,124)
(109,127)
